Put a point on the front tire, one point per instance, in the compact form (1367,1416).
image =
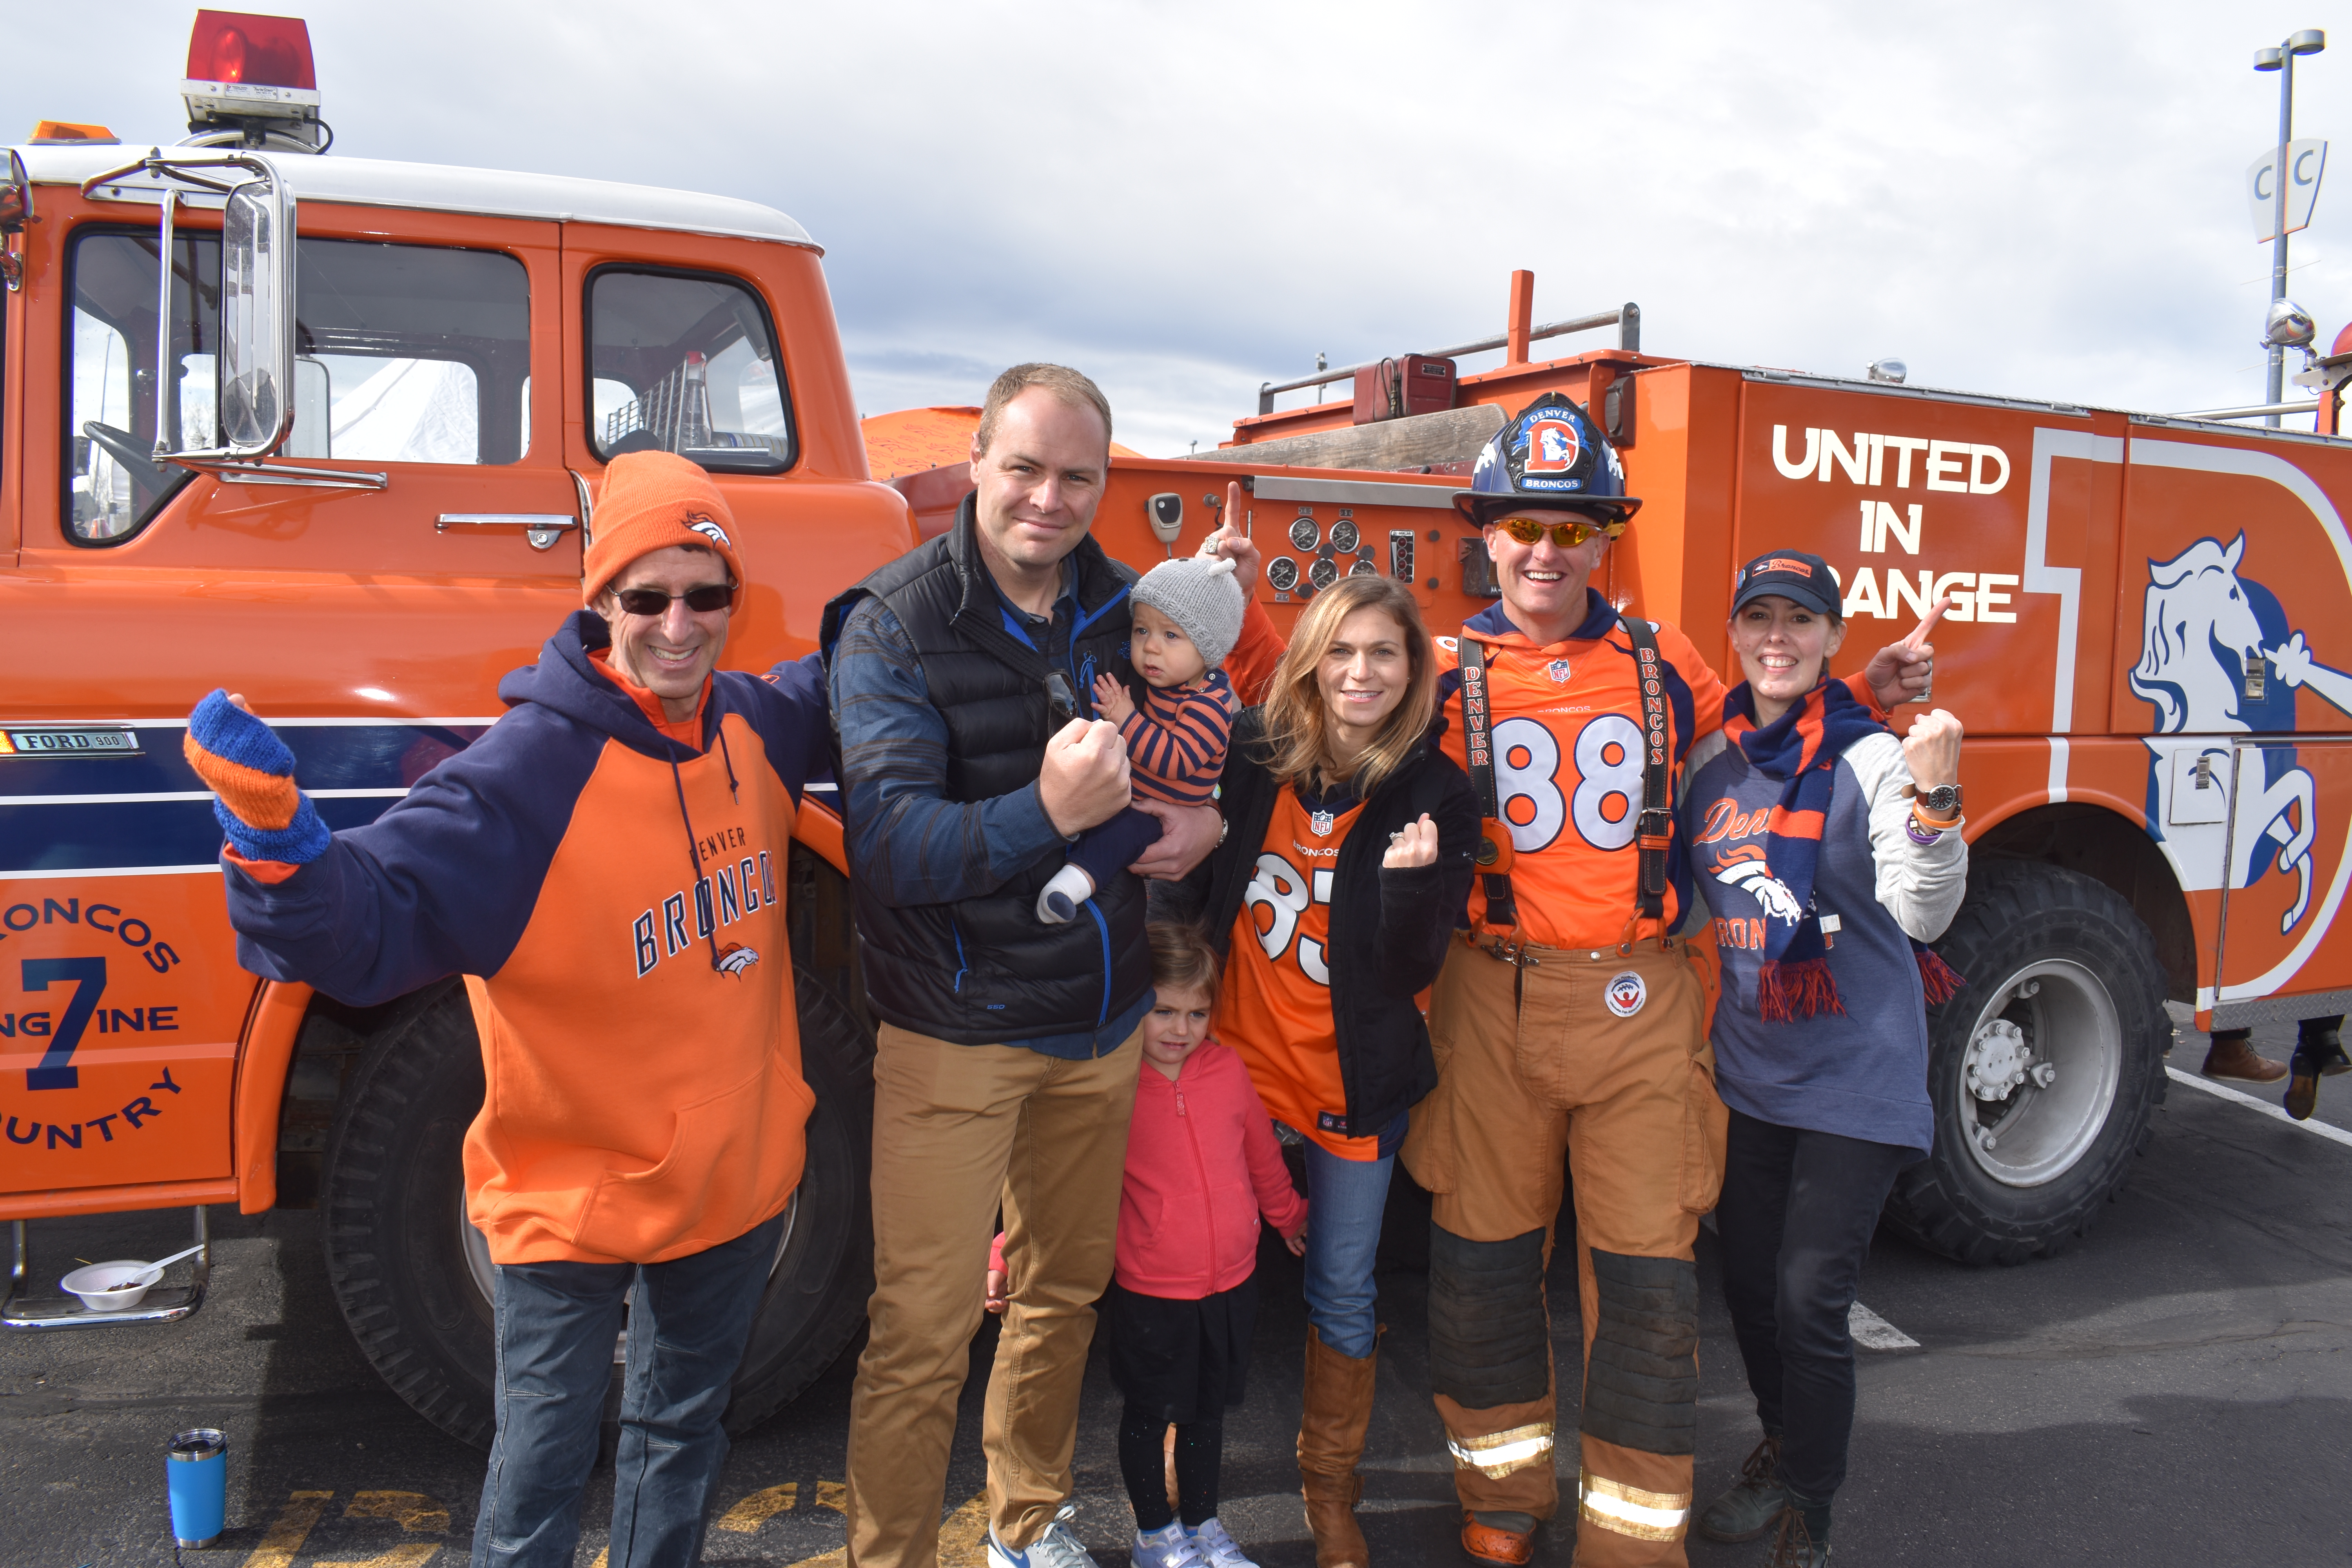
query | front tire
(2044,1069)
(413,1277)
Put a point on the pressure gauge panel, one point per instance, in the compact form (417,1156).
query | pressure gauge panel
(1304,533)
(1323,573)
(1344,537)
(1282,573)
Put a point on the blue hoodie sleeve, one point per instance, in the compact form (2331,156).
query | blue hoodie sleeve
(796,721)
(442,884)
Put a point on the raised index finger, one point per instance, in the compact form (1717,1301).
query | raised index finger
(1928,624)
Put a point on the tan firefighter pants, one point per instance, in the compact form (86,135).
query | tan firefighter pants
(1534,1063)
(956,1131)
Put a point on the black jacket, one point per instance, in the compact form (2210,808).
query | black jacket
(1389,927)
(985,970)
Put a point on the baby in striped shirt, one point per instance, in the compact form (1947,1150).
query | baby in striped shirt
(1188,613)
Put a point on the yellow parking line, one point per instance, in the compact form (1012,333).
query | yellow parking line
(416,1512)
(413,1554)
(288,1531)
(746,1515)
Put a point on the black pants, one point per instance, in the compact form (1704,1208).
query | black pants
(1796,1217)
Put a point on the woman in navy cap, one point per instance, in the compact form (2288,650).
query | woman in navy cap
(1829,853)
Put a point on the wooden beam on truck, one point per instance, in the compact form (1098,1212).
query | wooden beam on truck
(1448,435)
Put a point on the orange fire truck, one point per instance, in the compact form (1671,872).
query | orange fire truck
(331,431)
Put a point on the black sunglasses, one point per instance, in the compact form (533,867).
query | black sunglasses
(654,601)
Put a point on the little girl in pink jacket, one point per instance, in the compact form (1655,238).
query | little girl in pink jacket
(1202,1165)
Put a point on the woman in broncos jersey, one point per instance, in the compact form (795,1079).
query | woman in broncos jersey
(1829,853)
(1344,868)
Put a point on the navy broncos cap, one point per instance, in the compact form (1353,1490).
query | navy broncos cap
(1794,575)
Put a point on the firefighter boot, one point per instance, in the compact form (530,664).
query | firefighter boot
(2317,1052)
(1338,1406)
(1754,1506)
(2232,1057)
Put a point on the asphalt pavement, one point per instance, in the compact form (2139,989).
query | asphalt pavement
(2175,1389)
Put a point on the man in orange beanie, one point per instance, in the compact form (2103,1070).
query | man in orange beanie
(630,982)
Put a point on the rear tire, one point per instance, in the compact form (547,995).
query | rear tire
(2063,982)
(397,1244)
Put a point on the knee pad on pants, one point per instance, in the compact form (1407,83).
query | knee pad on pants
(1489,1340)
(1640,1387)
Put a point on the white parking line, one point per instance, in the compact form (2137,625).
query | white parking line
(2320,1129)
(1872,1333)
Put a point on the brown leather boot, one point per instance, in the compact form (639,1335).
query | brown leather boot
(1338,1406)
(2232,1057)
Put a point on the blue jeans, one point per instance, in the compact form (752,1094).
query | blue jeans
(556,1325)
(1344,1202)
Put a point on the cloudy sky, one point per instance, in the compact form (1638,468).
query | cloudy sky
(1187,200)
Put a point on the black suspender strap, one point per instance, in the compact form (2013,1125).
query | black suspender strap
(1653,831)
(1494,853)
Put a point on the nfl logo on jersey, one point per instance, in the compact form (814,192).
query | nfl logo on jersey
(1557,670)
(1321,824)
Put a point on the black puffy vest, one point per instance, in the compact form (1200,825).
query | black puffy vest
(986,970)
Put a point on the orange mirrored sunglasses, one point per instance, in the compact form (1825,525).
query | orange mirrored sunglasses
(1566,535)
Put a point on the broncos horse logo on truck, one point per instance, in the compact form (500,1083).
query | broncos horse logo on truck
(2208,634)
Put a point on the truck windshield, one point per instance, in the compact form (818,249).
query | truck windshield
(405,353)
(686,362)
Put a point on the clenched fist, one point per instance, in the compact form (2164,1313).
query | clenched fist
(1084,779)
(1416,845)
(1932,749)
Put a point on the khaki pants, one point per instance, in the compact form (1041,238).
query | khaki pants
(959,1130)
(1532,1065)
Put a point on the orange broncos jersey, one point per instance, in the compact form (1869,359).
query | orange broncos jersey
(1275,1010)
(1567,729)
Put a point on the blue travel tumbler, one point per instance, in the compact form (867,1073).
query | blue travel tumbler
(196,1471)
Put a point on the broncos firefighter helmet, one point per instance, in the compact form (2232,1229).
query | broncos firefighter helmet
(1550,455)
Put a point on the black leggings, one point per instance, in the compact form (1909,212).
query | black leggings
(1142,1463)
(1796,1217)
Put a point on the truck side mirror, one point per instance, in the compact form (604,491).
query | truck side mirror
(256,364)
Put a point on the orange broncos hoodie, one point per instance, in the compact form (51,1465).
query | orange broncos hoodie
(614,898)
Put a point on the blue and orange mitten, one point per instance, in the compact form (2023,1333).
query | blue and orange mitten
(263,815)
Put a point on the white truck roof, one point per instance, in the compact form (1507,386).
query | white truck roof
(440,187)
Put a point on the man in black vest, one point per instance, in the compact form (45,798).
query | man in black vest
(962,677)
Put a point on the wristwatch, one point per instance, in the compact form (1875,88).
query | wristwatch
(1944,800)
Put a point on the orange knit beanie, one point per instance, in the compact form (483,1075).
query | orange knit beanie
(652,500)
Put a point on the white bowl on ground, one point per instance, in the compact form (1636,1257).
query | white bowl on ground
(95,1284)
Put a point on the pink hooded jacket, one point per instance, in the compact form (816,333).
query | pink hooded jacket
(1201,1164)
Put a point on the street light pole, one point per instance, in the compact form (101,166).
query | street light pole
(2309,41)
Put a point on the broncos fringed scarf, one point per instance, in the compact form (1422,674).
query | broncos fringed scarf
(1800,748)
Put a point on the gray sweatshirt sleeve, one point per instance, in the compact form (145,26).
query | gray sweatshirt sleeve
(1921,885)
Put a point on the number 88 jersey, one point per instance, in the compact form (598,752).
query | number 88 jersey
(1567,734)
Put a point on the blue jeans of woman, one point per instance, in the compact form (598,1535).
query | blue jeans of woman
(556,1325)
(1344,1199)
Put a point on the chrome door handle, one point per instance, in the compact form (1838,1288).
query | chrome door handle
(542,529)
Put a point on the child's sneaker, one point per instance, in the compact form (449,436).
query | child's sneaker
(1217,1549)
(1168,1548)
(1060,898)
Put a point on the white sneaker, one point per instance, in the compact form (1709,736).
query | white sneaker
(1168,1548)
(1057,1548)
(1216,1548)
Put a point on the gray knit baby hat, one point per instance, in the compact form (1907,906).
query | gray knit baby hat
(1202,597)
